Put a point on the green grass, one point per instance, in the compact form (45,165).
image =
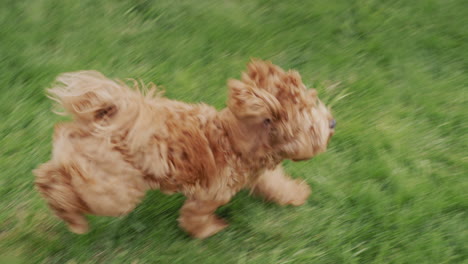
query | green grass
(391,189)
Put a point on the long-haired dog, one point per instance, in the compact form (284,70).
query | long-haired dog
(123,142)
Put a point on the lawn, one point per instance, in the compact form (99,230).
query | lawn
(392,187)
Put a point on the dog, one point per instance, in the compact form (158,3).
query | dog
(123,142)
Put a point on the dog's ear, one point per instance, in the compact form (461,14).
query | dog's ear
(286,86)
(248,102)
(263,73)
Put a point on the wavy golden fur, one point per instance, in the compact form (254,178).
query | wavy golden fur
(123,142)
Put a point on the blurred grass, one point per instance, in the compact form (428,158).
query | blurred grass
(391,189)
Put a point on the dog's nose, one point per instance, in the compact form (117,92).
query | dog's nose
(332,123)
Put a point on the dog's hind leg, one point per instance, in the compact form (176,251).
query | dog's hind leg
(53,182)
(278,187)
(75,220)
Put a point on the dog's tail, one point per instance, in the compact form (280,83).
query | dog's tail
(89,96)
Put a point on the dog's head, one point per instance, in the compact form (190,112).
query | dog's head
(296,123)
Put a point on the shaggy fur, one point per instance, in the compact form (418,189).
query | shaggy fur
(123,142)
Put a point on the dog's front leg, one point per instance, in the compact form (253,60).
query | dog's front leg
(278,187)
(198,219)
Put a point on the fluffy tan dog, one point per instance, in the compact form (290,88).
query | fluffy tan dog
(123,142)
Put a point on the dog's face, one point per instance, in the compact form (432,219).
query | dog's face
(275,103)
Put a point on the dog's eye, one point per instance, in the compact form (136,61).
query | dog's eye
(267,122)
(332,123)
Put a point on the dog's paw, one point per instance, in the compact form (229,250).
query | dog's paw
(301,193)
(211,228)
(78,228)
